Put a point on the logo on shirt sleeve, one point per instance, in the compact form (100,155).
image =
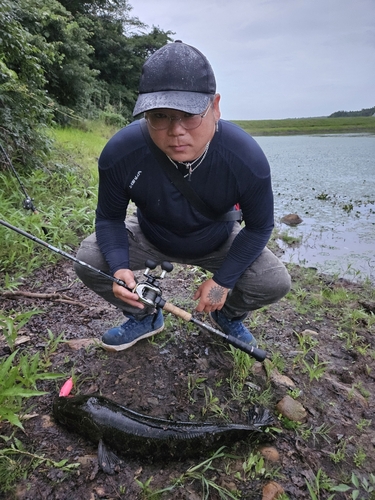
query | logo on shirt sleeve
(135,178)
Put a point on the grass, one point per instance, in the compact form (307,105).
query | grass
(64,194)
(299,126)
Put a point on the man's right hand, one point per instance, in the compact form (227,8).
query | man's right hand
(123,293)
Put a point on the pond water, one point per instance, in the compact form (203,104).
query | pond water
(329,181)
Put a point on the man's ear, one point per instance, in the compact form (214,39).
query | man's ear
(216,107)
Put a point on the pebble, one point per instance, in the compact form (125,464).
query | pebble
(291,219)
(292,409)
(272,491)
(270,453)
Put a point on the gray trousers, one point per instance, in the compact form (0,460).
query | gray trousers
(264,282)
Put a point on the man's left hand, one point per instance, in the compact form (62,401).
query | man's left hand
(211,296)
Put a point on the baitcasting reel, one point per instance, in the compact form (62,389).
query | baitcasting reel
(149,291)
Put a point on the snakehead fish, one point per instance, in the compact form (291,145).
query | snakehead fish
(130,433)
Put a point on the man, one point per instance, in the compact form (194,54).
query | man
(181,130)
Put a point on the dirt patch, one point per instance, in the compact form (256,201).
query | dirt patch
(185,374)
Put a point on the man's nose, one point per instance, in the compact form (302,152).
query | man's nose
(175,127)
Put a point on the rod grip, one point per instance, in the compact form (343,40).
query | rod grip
(255,352)
(177,311)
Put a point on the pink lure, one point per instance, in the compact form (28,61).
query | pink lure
(66,388)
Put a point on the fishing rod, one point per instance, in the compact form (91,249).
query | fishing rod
(149,293)
(27,202)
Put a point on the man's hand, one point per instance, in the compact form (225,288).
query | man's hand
(211,296)
(123,293)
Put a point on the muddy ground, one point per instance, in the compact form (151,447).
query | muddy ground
(170,377)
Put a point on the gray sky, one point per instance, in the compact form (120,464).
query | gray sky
(278,58)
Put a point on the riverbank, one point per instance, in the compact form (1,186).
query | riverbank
(306,126)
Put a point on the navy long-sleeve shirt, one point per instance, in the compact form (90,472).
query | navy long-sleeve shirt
(235,170)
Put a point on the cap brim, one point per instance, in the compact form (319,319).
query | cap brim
(189,102)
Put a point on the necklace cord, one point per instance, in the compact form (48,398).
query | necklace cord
(188,164)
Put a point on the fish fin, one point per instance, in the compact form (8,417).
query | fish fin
(107,459)
(260,417)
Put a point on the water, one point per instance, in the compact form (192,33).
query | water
(329,181)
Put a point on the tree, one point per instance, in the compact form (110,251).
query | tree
(69,79)
(121,44)
(119,60)
(23,102)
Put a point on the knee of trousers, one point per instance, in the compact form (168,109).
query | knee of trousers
(265,288)
(92,256)
(277,284)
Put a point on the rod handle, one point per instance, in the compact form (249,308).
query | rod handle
(255,352)
(177,311)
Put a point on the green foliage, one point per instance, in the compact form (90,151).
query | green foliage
(56,62)
(24,109)
(12,322)
(16,463)
(17,382)
(363,112)
(359,485)
(61,220)
(119,60)
(318,485)
(297,126)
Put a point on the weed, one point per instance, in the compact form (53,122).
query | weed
(315,370)
(320,483)
(358,485)
(278,361)
(323,196)
(294,393)
(16,463)
(339,455)
(146,491)
(242,364)
(363,423)
(211,403)
(194,382)
(200,472)
(12,323)
(253,468)
(306,343)
(359,457)
(199,275)
(52,343)
(286,238)
(262,398)
(18,382)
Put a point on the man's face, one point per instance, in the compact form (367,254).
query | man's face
(182,144)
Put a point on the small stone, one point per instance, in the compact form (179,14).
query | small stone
(292,409)
(270,453)
(272,491)
(153,401)
(282,380)
(291,219)
(308,332)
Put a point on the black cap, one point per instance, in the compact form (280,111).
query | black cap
(177,76)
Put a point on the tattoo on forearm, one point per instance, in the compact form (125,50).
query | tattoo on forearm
(216,294)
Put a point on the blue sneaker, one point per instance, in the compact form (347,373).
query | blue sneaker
(233,327)
(124,336)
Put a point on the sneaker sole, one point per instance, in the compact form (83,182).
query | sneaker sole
(122,347)
(250,344)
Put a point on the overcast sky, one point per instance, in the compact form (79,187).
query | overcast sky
(278,58)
